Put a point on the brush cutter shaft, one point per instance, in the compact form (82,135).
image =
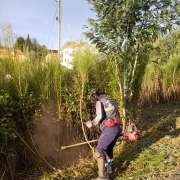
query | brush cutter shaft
(78,144)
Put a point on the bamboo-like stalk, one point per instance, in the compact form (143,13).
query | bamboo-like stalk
(81,116)
(43,158)
(133,71)
(10,169)
(3,174)
(173,80)
(30,149)
(83,61)
(120,94)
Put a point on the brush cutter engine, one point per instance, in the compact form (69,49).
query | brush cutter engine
(131,133)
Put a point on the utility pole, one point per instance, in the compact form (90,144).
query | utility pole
(58,18)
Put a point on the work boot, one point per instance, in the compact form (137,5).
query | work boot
(101,169)
(100,178)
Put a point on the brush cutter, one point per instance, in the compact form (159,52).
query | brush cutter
(131,134)
(78,144)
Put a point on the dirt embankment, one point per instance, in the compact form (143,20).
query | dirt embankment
(50,134)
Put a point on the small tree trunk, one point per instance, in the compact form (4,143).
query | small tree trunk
(81,115)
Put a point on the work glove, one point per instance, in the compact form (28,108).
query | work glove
(89,124)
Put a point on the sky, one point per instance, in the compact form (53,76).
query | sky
(38,19)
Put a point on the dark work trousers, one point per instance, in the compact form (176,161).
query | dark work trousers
(107,140)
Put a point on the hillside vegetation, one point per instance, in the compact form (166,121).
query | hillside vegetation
(33,90)
(154,156)
(135,59)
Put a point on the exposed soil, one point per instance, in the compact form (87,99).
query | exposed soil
(50,134)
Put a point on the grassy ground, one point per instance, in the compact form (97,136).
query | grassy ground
(155,156)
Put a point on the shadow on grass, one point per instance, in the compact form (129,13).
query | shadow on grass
(155,123)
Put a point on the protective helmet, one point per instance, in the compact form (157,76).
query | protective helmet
(94,92)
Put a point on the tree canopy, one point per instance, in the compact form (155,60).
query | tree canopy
(126,30)
(30,45)
(135,20)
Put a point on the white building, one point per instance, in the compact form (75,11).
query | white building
(68,51)
(67,57)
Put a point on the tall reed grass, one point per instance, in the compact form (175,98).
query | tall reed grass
(42,79)
(84,58)
(47,80)
(161,83)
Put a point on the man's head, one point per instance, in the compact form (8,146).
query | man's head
(95,94)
